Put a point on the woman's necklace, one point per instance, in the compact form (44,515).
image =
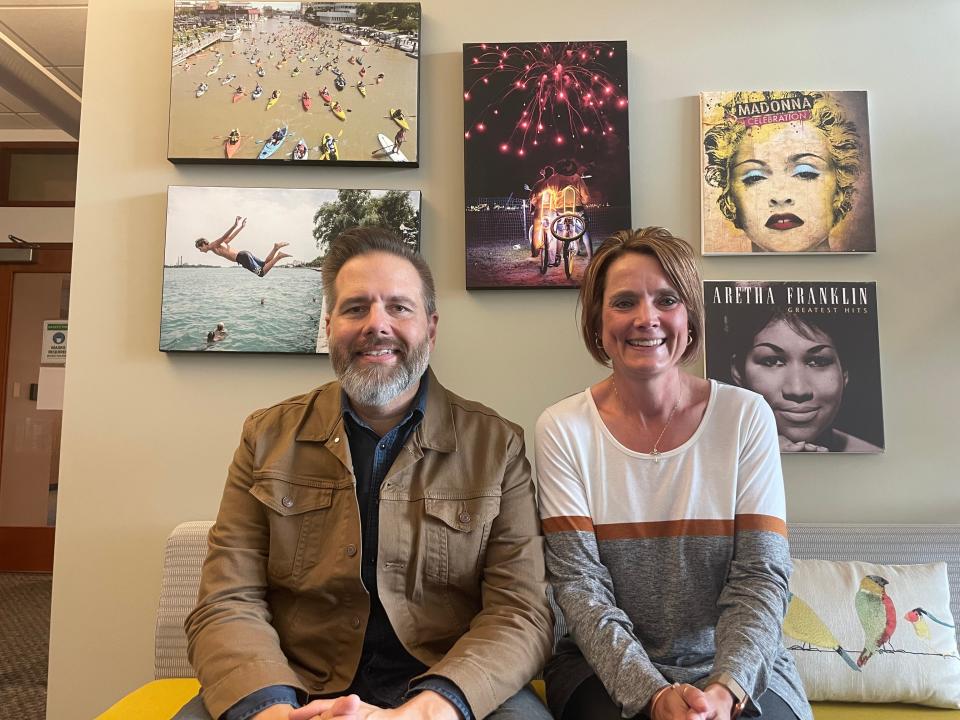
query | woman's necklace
(654,452)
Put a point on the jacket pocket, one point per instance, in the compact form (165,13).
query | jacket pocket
(457,534)
(291,510)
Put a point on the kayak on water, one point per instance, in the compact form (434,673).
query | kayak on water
(232,143)
(273,143)
(328,147)
(399,119)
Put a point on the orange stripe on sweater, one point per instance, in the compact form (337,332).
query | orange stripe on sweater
(572,523)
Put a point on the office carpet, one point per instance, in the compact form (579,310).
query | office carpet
(24,639)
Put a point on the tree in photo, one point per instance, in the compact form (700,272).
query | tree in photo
(354,208)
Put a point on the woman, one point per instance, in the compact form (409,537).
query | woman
(798,363)
(786,185)
(662,503)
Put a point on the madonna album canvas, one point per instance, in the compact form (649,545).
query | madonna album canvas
(785,171)
(811,349)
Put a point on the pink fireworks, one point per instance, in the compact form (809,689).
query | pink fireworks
(562,89)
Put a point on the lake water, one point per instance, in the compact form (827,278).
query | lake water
(279,313)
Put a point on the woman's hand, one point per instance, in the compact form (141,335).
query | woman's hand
(720,700)
(788,445)
(685,702)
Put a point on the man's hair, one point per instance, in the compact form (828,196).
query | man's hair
(200,243)
(677,258)
(358,241)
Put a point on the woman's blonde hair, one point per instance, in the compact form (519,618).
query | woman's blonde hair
(677,258)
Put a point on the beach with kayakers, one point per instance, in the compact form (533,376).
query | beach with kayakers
(320,86)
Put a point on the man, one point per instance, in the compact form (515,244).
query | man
(377,545)
(243,258)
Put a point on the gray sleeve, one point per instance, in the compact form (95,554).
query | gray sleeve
(582,584)
(603,632)
(754,598)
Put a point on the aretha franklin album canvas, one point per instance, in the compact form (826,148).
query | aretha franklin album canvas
(811,349)
(785,171)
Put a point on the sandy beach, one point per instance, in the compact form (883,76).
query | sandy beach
(199,126)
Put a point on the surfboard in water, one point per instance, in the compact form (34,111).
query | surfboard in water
(387,145)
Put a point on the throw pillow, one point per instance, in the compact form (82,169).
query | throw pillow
(862,632)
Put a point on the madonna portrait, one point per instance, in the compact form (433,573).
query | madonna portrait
(786,172)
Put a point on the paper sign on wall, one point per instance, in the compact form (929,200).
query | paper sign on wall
(54,348)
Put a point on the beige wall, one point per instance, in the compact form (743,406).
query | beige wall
(147,436)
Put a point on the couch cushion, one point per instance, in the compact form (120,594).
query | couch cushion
(853,711)
(157,700)
(864,632)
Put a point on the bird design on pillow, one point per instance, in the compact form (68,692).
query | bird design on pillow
(803,624)
(877,615)
(917,618)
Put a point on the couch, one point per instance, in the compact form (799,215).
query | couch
(174,683)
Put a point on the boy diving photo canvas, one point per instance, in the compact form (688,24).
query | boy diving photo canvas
(241,268)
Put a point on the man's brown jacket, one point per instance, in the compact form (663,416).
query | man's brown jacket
(460,556)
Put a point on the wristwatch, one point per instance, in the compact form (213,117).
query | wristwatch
(740,697)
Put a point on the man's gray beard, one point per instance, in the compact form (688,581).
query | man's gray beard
(376,386)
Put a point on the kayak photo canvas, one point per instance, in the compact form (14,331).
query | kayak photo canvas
(241,266)
(546,159)
(308,82)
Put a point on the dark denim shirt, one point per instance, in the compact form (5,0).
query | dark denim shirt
(385,666)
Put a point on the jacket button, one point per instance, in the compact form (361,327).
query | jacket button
(355,623)
(464,517)
(287,502)
(336,439)
(351,550)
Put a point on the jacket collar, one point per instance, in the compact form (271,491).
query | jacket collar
(323,417)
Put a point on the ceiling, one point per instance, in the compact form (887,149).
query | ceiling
(41,63)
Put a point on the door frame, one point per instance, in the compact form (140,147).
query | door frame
(24,549)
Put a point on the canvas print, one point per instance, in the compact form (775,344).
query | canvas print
(546,159)
(309,82)
(786,171)
(811,349)
(241,268)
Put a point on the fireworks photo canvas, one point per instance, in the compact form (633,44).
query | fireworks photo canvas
(546,159)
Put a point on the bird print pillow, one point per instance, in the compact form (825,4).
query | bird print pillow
(862,632)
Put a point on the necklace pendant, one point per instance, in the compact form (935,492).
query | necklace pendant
(656,455)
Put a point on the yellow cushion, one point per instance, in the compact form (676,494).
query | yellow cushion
(868,711)
(157,700)
(540,688)
(160,699)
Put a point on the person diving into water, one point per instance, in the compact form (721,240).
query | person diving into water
(243,258)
